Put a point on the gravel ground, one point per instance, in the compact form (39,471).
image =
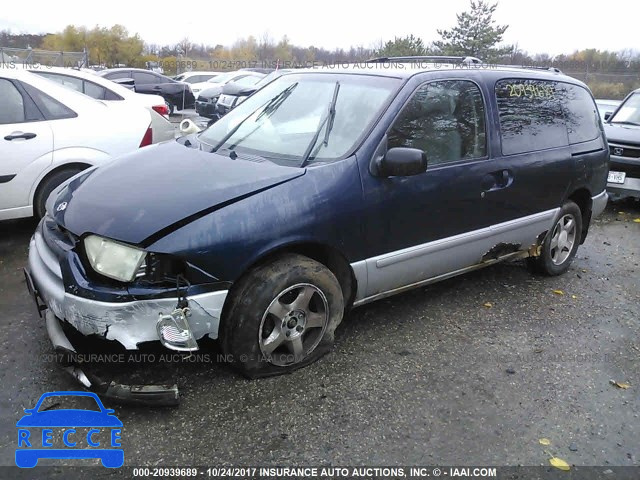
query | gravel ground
(434,376)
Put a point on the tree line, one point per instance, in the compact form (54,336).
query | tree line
(609,74)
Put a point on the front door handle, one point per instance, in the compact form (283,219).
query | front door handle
(24,135)
(497,180)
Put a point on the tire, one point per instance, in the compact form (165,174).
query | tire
(47,186)
(282,316)
(561,243)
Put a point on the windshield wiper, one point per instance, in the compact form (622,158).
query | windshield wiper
(270,107)
(327,120)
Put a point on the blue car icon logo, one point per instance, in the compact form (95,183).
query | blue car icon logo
(83,433)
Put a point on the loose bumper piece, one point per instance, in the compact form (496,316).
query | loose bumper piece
(155,395)
(174,331)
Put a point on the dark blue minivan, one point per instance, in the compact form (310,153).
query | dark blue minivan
(327,189)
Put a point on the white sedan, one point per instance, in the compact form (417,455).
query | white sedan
(221,80)
(103,89)
(49,133)
(196,77)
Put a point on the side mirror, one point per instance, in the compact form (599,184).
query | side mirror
(607,116)
(400,162)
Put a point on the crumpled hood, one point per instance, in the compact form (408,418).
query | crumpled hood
(620,133)
(159,188)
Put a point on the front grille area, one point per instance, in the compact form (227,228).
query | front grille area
(56,237)
(628,151)
(630,169)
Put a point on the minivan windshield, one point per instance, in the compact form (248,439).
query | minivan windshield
(304,117)
(629,111)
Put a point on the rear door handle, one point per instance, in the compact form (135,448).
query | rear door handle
(24,135)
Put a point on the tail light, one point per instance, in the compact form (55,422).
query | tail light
(161,109)
(148,137)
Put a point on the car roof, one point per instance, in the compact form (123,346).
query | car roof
(92,77)
(127,69)
(407,69)
(190,74)
(63,94)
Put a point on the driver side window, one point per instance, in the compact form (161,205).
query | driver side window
(445,119)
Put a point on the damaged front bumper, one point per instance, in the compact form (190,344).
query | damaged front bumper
(160,395)
(128,322)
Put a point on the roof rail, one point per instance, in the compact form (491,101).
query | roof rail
(533,67)
(425,58)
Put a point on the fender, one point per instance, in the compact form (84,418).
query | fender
(67,156)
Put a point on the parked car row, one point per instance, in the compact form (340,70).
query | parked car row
(622,128)
(102,89)
(177,95)
(51,129)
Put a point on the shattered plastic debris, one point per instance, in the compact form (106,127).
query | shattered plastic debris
(622,385)
(544,441)
(558,292)
(487,304)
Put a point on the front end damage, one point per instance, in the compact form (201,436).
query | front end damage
(177,317)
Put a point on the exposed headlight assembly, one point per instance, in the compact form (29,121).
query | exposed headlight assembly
(112,259)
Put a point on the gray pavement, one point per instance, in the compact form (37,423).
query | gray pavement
(432,376)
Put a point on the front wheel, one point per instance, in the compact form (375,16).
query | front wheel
(47,186)
(561,243)
(281,316)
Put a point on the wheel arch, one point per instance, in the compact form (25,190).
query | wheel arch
(329,256)
(582,198)
(57,169)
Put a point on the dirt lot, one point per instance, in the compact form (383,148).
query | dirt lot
(436,376)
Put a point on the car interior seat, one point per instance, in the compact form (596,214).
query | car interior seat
(442,140)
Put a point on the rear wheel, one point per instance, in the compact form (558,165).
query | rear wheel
(561,243)
(47,186)
(281,316)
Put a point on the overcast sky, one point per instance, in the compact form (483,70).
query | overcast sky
(537,26)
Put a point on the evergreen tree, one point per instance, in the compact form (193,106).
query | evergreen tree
(402,47)
(475,34)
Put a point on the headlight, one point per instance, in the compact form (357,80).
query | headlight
(113,259)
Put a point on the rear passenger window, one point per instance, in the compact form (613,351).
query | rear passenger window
(109,95)
(143,78)
(531,116)
(51,108)
(581,114)
(12,110)
(118,74)
(445,119)
(94,91)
